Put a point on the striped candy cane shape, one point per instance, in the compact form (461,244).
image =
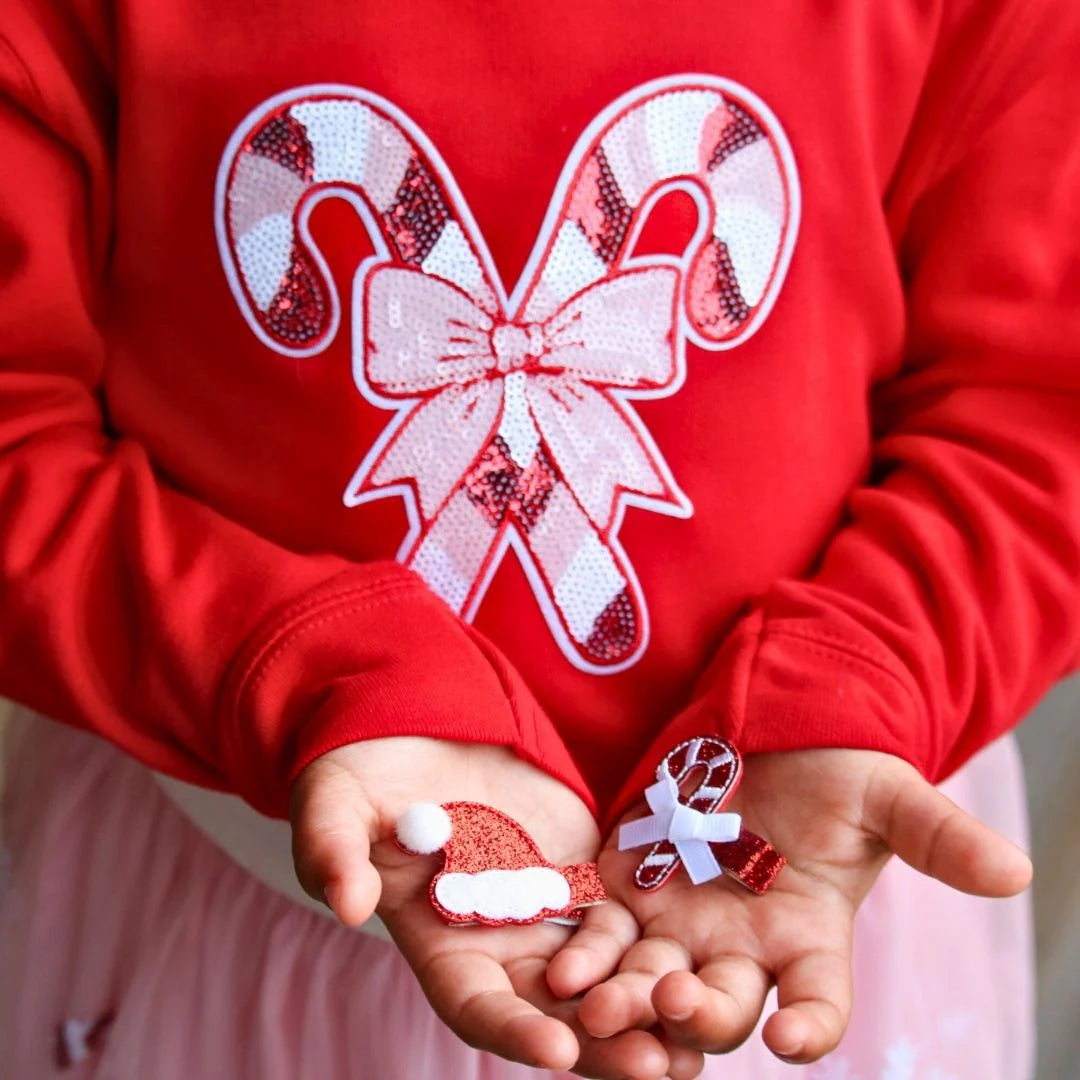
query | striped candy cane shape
(720,144)
(721,770)
(745,856)
(513,422)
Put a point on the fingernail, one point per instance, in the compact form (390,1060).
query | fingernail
(331,895)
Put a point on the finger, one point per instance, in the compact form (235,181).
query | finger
(636,1055)
(630,1055)
(715,1010)
(933,835)
(814,993)
(684,1062)
(473,995)
(625,1000)
(594,951)
(331,825)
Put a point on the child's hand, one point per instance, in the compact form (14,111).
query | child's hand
(709,953)
(487,984)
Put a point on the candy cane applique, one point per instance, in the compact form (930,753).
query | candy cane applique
(513,424)
(686,827)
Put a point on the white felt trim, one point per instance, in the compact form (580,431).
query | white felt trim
(504,894)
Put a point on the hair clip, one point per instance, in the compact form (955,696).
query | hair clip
(493,872)
(685,824)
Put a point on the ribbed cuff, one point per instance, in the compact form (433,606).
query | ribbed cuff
(374,654)
(773,689)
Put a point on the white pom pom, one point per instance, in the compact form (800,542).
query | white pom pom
(424,828)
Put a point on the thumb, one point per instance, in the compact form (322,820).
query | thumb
(332,822)
(936,837)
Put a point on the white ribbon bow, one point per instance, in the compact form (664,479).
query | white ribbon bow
(471,367)
(688,829)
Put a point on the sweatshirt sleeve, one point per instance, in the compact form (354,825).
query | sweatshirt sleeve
(132,609)
(949,600)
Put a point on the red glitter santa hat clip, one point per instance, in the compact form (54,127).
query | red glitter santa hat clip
(494,874)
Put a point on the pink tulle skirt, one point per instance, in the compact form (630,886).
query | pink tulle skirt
(132,947)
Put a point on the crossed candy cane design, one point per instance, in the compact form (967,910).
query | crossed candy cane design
(687,828)
(513,424)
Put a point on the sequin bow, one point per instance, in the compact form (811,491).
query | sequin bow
(541,386)
(690,830)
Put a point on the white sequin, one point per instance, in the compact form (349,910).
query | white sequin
(517,427)
(572,263)
(353,145)
(453,260)
(748,194)
(265,254)
(438,568)
(626,149)
(591,581)
(673,125)
(340,133)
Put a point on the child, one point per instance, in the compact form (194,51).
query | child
(776,436)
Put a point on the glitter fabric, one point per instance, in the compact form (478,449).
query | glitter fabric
(513,422)
(708,771)
(494,874)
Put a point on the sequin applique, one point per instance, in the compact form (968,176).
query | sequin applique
(513,421)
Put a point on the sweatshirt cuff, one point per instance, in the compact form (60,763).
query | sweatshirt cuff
(372,655)
(772,688)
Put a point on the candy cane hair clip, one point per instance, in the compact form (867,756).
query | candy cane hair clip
(687,827)
(493,873)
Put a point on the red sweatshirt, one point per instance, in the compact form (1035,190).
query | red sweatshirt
(570,376)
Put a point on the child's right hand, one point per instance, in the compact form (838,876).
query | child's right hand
(709,953)
(487,984)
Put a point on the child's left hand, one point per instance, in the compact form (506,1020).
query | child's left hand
(709,953)
(487,983)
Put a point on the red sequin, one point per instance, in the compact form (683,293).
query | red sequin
(284,139)
(500,487)
(614,631)
(740,132)
(416,220)
(298,311)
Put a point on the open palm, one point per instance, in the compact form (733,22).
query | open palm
(708,954)
(487,983)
